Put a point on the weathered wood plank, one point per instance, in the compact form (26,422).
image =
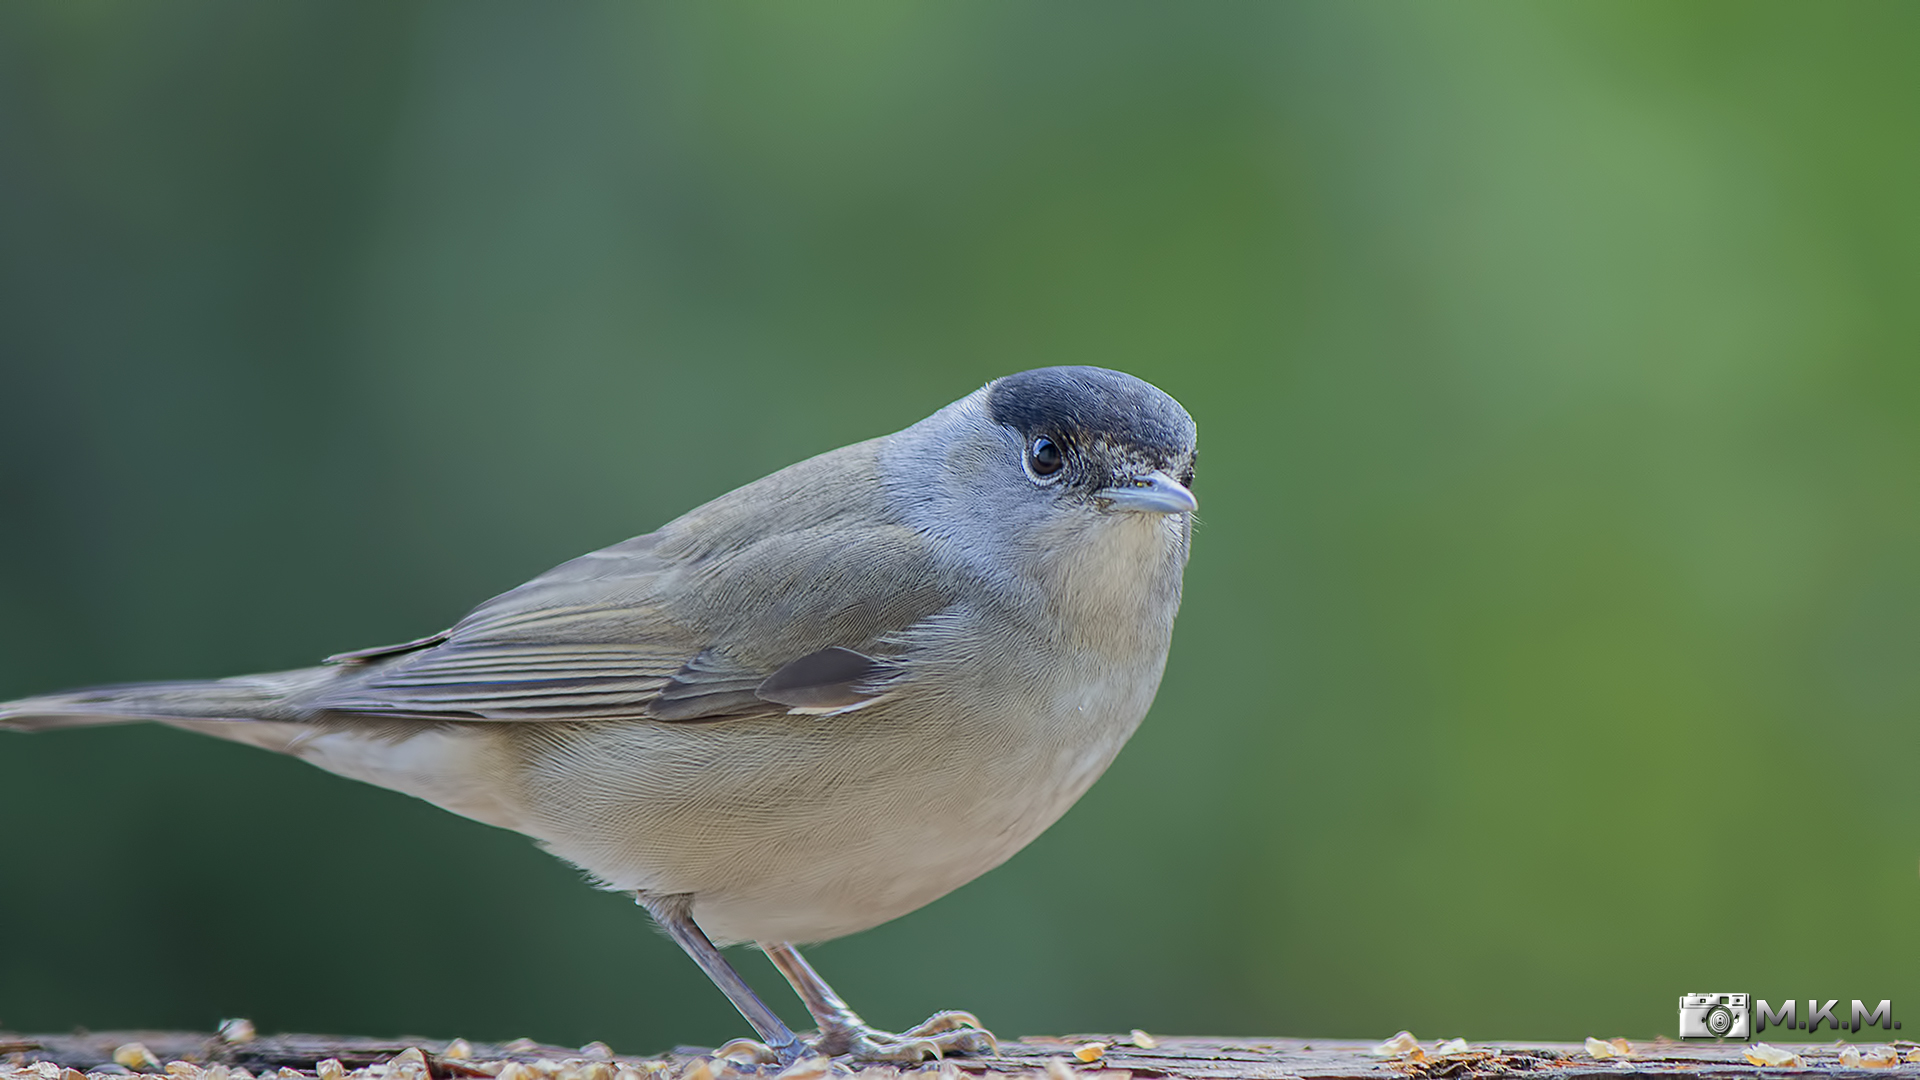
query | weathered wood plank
(211,1057)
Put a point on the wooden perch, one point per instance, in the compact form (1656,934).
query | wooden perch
(198,1056)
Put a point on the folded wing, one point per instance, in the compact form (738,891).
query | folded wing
(802,621)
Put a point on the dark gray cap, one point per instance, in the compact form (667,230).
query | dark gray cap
(1082,405)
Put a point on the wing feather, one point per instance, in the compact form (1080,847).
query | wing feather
(769,599)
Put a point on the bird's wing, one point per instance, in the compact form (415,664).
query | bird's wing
(582,641)
(663,627)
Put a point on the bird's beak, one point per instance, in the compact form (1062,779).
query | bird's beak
(1154,493)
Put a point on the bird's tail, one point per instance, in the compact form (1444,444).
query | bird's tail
(250,697)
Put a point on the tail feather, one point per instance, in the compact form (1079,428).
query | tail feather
(449,764)
(275,696)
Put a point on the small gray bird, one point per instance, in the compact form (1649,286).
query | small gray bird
(812,705)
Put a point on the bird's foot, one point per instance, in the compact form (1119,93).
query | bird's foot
(953,1032)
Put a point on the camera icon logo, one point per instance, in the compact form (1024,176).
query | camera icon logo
(1714,1016)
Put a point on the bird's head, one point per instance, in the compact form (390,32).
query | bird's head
(1056,472)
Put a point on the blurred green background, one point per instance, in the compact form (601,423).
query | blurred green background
(1552,638)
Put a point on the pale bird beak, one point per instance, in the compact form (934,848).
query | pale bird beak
(1154,493)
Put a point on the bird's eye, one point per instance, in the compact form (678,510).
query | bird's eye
(1044,457)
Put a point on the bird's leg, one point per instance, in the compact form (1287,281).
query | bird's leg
(843,1032)
(675,916)
(839,1024)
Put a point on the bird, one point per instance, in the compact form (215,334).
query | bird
(807,707)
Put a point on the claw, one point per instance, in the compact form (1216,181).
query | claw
(939,1022)
(918,1050)
(973,1041)
(748,1052)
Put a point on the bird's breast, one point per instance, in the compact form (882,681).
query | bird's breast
(791,828)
